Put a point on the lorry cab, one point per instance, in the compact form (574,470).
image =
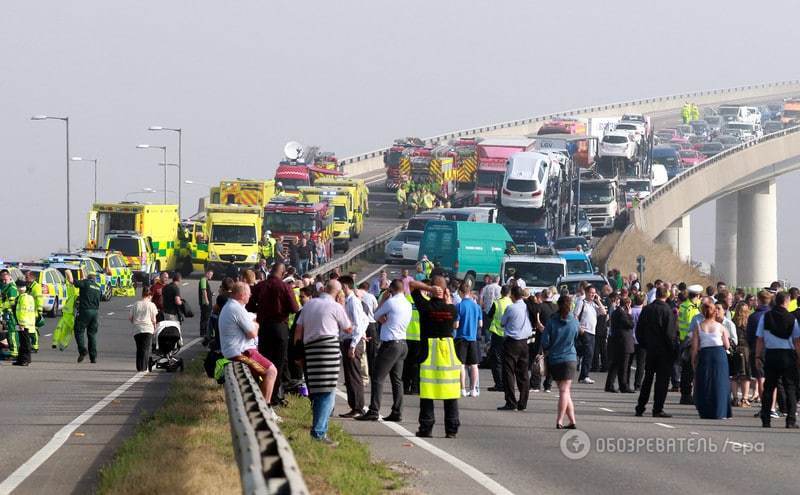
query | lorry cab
(526,179)
(539,271)
(233,234)
(465,249)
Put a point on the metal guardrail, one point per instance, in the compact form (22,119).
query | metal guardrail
(351,255)
(576,112)
(678,179)
(265,459)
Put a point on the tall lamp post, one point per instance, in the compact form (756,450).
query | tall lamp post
(180,162)
(66,122)
(164,149)
(94,163)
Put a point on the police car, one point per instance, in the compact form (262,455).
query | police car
(54,286)
(114,265)
(63,261)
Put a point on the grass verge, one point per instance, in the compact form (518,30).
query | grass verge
(346,469)
(184,447)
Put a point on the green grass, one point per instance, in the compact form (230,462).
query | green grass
(346,469)
(184,447)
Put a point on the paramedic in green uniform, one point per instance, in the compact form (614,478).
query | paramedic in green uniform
(86,322)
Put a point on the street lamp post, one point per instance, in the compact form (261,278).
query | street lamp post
(144,190)
(94,162)
(180,162)
(66,122)
(164,149)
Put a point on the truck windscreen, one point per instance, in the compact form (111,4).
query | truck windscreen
(535,273)
(237,234)
(121,221)
(488,179)
(340,213)
(126,245)
(292,184)
(596,194)
(289,222)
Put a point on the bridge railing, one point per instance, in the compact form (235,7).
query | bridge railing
(686,174)
(631,105)
(265,459)
(371,246)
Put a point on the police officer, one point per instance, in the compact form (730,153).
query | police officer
(86,324)
(34,288)
(401,201)
(777,348)
(25,313)
(268,247)
(8,300)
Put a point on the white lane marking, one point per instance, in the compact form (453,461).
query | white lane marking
(48,334)
(184,284)
(665,425)
(606,409)
(110,314)
(372,274)
(491,485)
(693,433)
(61,436)
(374,179)
(129,306)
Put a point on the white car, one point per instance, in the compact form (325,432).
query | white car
(636,129)
(395,250)
(526,178)
(618,144)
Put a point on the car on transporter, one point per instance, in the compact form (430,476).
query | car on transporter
(400,244)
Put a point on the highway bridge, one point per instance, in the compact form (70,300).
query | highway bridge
(61,421)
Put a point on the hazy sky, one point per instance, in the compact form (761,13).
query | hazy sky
(242,78)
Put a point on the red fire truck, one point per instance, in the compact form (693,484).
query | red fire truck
(288,219)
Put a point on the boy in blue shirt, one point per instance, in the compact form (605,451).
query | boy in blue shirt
(469,320)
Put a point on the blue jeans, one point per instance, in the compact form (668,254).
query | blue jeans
(321,407)
(303,268)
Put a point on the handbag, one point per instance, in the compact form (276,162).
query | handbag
(540,365)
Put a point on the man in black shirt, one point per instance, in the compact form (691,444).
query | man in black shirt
(437,316)
(656,330)
(171,298)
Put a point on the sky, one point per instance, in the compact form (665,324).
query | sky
(243,78)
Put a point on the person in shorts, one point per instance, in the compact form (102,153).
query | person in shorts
(238,334)
(470,319)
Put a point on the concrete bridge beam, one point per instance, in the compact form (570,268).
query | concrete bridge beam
(726,235)
(678,236)
(757,236)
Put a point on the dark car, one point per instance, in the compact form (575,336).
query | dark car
(669,157)
(572,243)
(711,149)
(729,141)
(772,126)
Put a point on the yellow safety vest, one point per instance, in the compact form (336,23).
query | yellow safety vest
(26,311)
(440,373)
(500,307)
(290,320)
(412,331)
(686,312)
(35,290)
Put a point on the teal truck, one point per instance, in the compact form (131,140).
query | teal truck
(465,249)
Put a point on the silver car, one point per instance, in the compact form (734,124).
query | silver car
(394,249)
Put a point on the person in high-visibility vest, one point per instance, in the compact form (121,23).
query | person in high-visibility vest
(267,247)
(440,369)
(497,335)
(686,112)
(401,201)
(8,300)
(427,265)
(34,288)
(25,313)
(687,312)
(694,112)
(411,363)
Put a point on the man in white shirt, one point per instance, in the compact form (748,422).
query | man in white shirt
(489,294)
(352,346)
(370,304)
(586,311)
(238,338)
(394,314)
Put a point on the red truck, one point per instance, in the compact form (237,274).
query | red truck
(492,156)
(399,152)
(302,166)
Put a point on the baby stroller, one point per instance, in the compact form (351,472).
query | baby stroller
(167,341)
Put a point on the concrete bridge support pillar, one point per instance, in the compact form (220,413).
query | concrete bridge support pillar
(679,237)
(726,235)
(757,237)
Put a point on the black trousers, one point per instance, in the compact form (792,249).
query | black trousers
(205,314)
(411,367)
(144,342)
(600,355)
(496,359)
(658,365)
(273,344)
(515,370)
(427,417)
(687,380)
(618,361)
(639,356)
(390,360)
(780,365)
(24,353)
(353,380)
(371,347)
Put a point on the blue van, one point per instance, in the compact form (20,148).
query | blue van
(578,263)
(669,157)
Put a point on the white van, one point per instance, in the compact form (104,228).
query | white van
(658,176)
(525,180)
(740,113)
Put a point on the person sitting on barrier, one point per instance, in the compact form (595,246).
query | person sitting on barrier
(238,333)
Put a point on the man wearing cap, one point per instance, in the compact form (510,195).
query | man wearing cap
(267,247)
(687,311)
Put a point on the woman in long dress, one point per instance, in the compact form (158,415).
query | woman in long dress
(712,388)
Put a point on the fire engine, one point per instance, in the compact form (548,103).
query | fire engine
(289,219)
(396,158)
(302,166)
